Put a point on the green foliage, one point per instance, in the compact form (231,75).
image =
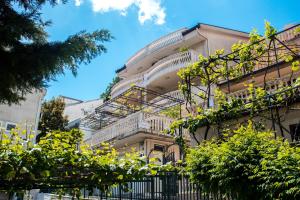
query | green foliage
(248,165)
(172,112)
(269,30)
(52,116)
(62,158)
(28,61)
(208,72)
(106,95)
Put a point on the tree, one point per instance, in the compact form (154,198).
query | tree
(28,61)
(52,117)
(249,164)
(106,95)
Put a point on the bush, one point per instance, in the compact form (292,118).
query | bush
(249,165)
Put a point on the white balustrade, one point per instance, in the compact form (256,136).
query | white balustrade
(166,41)
(125,84)
(132,124)
(171,63)
(163,42)
(289,34)
(271,87)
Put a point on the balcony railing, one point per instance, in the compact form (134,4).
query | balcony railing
(130,125)
(125,84)
(163,42)
(288,34)
(169,64)
(271,87)
(289,37)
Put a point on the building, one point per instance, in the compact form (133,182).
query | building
(152,71)
(26,114)
(76,109)
(271,71)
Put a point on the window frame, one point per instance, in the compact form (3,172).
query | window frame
(10,123)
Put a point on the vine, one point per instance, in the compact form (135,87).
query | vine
(62,160)
(210,105)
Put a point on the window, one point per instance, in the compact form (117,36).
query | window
(10,126)
(295,132)
(158,147)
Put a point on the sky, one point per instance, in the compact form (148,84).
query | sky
(136,23)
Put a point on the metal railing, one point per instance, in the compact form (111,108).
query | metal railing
(165,186)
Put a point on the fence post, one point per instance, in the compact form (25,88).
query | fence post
(131,190)
(152,187)
(120,192)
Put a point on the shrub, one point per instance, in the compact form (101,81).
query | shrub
(250,164)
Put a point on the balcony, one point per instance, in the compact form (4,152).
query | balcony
(271,87)
(288,45)
(125,84)
(169,64)
(165,66)
(155,46)
(132,124)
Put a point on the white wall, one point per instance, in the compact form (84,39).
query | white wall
(26,113)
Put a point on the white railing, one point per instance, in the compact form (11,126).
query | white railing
(125,84)
(271,58)
(288,34)
(162,42)
(169,64)
(132,124)
(167,40)
(271,86)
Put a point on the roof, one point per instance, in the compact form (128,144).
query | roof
(65,97)
(213,26)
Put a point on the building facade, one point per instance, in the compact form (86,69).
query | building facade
(25,115)
(76,109)
(154,68)
(272,71)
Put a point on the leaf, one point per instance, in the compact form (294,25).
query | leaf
(45,173)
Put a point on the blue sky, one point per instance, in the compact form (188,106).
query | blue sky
(135,23)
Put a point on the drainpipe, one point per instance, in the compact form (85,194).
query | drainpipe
(38,112)
(206,39)
(208,53)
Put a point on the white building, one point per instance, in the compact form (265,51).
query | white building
(76,109)
(155,68)
(26,114)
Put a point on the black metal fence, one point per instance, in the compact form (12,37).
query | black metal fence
(166,186)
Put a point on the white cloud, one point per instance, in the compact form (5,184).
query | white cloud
(147,9)
(78,2)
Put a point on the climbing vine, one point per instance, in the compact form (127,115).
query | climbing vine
(62,160)
(211,105)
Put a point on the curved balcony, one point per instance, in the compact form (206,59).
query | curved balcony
(155,46)
(123,85)
(169,64)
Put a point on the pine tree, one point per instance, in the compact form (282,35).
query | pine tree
(27,60)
